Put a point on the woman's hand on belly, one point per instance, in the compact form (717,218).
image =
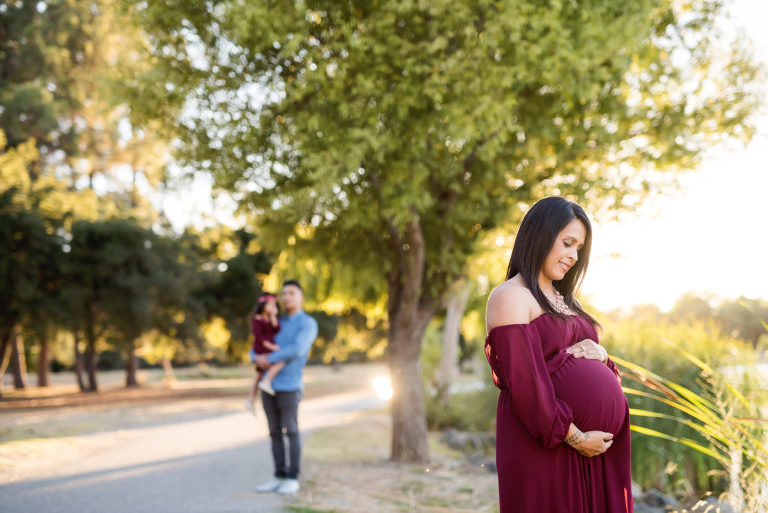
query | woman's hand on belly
(588,348)
(590,443)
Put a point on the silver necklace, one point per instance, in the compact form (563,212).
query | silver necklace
(560,305)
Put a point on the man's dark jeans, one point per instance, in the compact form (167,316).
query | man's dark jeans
(282,416)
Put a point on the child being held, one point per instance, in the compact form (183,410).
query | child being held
(264,325)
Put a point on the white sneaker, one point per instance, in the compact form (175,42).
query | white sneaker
(270,486)
(267,387)
(288,486)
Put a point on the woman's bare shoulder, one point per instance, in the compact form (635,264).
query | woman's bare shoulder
(510,303)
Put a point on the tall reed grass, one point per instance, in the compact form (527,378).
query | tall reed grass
(699,417)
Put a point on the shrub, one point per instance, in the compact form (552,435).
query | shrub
(466,411)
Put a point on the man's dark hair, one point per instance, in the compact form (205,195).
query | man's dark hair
(294,283)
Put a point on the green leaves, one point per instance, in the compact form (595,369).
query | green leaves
(441,106)
(449,113)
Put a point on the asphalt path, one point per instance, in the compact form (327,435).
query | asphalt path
(209,463)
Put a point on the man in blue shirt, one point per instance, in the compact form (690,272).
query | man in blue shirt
(298,331)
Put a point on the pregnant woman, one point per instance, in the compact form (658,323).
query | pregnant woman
(562,420)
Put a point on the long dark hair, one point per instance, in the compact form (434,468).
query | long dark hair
(535,239)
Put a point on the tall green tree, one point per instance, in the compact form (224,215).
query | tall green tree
(235,288)
(63,64)
(30,257)
(124,278)
(390,135)
(177,314)
(30,263)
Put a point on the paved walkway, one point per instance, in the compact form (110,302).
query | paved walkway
(204,463)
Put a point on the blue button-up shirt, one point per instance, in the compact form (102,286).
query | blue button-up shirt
(297,333)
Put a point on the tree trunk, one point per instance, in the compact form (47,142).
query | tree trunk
(131,364)
(78,362)
(409,422)
(18,360)
(5,354)
(43,362)
(90,350)
(408,318)
(449,367)
(90,367)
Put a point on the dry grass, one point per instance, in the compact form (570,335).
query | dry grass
(346,471)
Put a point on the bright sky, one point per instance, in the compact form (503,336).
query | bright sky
(709,237)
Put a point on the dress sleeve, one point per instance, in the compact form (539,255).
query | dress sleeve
(516,357)
(256,331)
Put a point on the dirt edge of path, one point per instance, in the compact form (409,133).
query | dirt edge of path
(346,470)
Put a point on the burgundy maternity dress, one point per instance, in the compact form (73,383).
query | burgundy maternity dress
(543,390)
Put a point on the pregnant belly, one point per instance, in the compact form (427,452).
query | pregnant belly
(594,394)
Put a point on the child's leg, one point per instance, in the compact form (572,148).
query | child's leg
(266,383)
(255,386)
(270,374)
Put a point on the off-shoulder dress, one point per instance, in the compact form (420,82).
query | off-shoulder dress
(543,390)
